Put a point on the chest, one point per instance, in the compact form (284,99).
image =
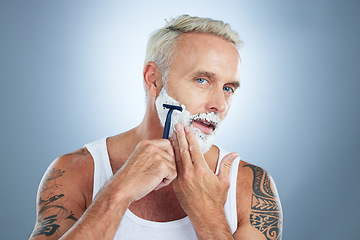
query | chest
(158,206)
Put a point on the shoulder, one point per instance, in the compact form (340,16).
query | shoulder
(78,160)
(64,194)
(75,173)
(258,201)
(256,179)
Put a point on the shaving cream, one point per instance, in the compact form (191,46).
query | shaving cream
(186,119)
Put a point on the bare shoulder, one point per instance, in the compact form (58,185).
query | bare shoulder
(78,169)
(64,194)
(258,203)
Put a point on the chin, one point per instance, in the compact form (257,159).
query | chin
(205,140)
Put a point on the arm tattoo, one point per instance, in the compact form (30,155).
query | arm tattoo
(51,209)
(266,213)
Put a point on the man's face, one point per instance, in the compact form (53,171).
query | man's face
(203,76)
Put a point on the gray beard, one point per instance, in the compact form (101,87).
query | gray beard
(186,119)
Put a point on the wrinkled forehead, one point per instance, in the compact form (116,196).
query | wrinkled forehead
(195,52)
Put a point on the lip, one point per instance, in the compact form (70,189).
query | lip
(202,127)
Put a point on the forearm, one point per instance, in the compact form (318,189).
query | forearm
(212,225)
(102,218)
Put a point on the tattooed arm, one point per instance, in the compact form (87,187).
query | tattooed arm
(258,203)
(65,208)
(62,195)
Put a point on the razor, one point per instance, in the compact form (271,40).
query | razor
(168,118)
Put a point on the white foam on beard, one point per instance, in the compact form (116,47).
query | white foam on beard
(185,118)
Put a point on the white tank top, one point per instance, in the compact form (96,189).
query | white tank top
(134,228)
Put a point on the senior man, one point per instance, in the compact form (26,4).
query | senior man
(136,185)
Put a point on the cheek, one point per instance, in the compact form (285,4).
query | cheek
(229,101)
(227,108)
(195,105)
(191,99)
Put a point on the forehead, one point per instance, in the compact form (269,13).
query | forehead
(198,52)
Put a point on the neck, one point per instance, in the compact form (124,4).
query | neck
(150,127)
(122,145)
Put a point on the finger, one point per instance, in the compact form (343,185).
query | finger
(166,155)
(175,144)
(171,174)
(225,165)
(194,147)
(183,146)
(164,144)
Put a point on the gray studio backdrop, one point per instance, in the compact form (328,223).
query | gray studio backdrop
(71,72)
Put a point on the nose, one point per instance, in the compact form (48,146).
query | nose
(217,102)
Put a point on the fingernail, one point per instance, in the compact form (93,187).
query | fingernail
(187,129)
(178,127)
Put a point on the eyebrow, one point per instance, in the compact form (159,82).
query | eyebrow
(206,73)
(212,75)
(236,84)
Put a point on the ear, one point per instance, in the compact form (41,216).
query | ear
(152,79)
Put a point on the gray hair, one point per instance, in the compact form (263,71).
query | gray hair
(160,47)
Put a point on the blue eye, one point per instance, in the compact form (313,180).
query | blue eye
(201,80)
(228,89)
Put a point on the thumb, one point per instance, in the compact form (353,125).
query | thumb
(226,164)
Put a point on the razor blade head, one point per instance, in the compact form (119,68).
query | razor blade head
(172,107)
